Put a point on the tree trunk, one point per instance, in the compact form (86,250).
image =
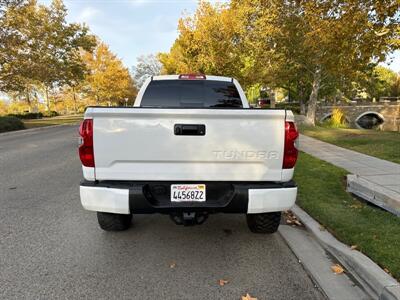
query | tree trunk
(312,102)
(340,97)
(47,99)
(301,95)
(74,95)
(28,99)
(302,107)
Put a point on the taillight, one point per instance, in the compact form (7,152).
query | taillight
(290,152)
(86,153)
(192,76)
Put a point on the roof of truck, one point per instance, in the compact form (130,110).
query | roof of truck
(207,77)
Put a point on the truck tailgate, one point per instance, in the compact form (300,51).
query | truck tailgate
(141,144)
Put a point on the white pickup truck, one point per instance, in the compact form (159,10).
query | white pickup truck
(189,147)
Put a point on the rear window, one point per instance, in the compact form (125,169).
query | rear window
(191,93)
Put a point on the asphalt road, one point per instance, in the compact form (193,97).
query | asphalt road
(51,248)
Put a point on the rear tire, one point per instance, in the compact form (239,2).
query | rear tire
(114,222)
(264,223)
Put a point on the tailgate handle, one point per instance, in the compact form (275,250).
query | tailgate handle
(190,129)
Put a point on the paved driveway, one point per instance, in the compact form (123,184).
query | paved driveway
(51,248)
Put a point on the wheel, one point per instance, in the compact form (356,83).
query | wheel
(264,223)
(113,222)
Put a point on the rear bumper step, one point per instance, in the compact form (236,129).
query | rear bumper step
(154,197)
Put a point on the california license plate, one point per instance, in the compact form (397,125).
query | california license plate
(188,192)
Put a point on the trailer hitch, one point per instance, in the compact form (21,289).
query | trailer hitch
(189,218)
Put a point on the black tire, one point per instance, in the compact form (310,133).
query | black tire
(264,223)
(114,222)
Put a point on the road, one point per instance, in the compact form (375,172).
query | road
(51,248)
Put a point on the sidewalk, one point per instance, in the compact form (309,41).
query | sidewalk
(373,179)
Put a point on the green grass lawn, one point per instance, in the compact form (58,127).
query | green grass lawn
(322,194)
(33,123)
(381,144)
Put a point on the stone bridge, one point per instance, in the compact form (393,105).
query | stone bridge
(382,115)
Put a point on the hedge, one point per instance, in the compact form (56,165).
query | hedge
(10,123)
(37,115)
(50,113)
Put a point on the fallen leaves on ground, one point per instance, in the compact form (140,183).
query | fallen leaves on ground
(291,219)
(172,265)
(248,297)
(222,282)
(356,206)
(337,269)
(322,228)
(353,247)
(387,271)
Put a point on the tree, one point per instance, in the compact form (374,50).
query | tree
(108,80)
(205,43)
(41,48)
(328,41)
(310,48)
(395,89)
(382,83)
(14,54)
(174,61)
(60,62)
(147,65)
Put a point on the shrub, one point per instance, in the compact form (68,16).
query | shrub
(10,123)
(336,120)
(50,113)
(28,115)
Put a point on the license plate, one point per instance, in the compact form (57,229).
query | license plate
(188,192)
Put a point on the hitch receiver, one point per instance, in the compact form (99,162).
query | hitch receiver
(189,218)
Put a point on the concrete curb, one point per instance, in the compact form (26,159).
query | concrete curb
(376,282)
(30,130)
(318,262)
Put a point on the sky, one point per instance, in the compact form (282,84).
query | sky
(136,27)
(131,27)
